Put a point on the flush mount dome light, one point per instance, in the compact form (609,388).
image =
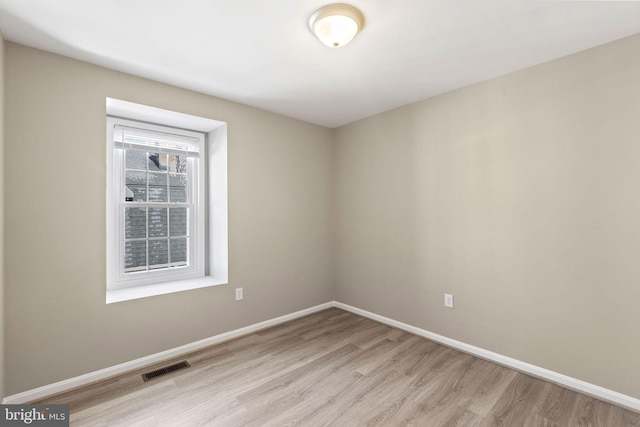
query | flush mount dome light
(336,24)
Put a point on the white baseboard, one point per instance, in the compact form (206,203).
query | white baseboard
(81,380)
(554,377)
(536,371)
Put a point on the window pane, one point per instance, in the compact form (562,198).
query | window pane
(177,164)
(157,162)
(136,159)
(135,223)
(178,251)
(135,255)
(158,254)
(158,222)
(178,188)
(158,187)
(178,221)
(136,182)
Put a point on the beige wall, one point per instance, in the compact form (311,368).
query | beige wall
(520,196)
(58,325)
(1,216)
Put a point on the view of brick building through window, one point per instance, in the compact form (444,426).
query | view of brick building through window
(156,237)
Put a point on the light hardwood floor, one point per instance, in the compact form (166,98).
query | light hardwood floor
(334,368)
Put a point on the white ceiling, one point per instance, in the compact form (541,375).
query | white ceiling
(261,53)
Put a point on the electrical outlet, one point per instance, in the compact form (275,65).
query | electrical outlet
(239,294)
(448,300)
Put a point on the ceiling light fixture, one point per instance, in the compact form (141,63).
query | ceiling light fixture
(336,24)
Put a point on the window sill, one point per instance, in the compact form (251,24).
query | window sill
(126,294)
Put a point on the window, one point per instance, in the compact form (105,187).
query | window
(158,193)
(162,208)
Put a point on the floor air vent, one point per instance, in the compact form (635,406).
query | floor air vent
(166,370)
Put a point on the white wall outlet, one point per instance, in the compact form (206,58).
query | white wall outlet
(239,294)
(448,300)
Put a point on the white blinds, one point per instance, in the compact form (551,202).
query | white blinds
(154,141)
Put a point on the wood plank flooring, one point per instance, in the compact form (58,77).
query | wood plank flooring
(334,368)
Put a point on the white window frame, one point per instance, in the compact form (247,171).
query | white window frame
(196,205)
(212,233)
